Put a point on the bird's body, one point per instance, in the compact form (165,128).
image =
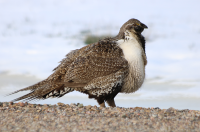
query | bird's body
(101,70)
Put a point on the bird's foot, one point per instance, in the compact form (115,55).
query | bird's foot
(111,102)
(102,105)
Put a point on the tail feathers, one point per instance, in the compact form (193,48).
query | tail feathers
(36,92)
(32,88)
(44,91)
(27,97)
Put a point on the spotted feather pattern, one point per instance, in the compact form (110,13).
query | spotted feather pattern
(100,70)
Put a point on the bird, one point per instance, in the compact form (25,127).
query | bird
(101,70)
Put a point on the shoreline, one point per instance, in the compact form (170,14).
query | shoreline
(76,117)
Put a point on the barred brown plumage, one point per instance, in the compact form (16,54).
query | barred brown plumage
(101,70)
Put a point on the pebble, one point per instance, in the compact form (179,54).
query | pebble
(64,117)
(171,109)
(60,104)
(124,116)
(5,104)
(80,105)
(10,103)
(88,107)
(21,104)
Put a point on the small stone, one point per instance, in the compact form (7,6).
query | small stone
(118,108)
(5,104)
(152,118)
(106,112)
(124,116)
(93,108)
(10,103)
(185,110)
(33,105)
(171,109)
(88,107)
(81,115)
(98,111)
(101,108)
(72,104)
(26,110)
(156,108)
(138,108)
(36,117)
(154,115)
(148,111)
(21,104)
(18,111)
(80,105)
(60,104)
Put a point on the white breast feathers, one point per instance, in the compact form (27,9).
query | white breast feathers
(133,54)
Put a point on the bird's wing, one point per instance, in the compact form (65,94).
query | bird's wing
(93,61)
(85,69)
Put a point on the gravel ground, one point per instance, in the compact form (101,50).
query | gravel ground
(78,118)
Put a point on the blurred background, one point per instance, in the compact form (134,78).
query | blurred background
(35,35)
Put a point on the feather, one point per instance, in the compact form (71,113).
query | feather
(101,69)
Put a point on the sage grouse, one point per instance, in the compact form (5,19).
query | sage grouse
(101,70)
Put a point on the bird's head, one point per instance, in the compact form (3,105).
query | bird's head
(132,25)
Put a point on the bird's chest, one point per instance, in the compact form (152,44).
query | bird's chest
(133,54)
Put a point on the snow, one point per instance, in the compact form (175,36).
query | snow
(35,35)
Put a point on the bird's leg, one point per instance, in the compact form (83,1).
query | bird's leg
(101,102)
(111,102)
(102,105)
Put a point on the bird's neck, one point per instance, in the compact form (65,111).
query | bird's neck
(129,35)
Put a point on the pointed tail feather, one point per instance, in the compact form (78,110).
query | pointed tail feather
(44,90)
(32,88)
(27,97)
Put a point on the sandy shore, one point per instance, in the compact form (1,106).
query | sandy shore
(76,117)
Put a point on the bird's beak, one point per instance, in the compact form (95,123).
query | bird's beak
(143,25)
